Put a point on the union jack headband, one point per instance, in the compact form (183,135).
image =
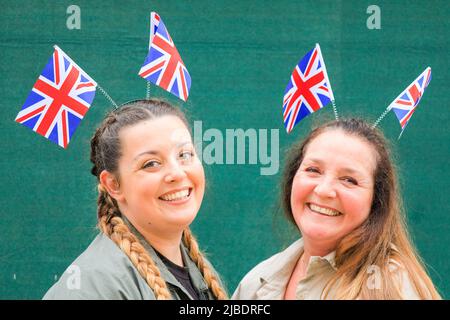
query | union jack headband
(407,101)
(309,90)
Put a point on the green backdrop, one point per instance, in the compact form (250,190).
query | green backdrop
(240,55)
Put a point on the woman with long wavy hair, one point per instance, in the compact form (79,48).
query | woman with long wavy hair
(340,189)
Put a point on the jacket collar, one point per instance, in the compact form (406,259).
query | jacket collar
(194,272)
(274,279)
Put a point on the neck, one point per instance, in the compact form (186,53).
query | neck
(166,243)
(168,247)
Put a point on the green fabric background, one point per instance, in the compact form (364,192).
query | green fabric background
(240,55)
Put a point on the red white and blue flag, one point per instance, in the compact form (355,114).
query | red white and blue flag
(405,104)
(163,65)
(308,90)
(59,99)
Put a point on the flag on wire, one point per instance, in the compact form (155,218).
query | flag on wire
(154,23)
(58,100)
(405,104)
(308,90)
(163,65)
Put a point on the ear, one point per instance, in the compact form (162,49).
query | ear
(111,185)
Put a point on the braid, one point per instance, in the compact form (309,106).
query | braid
(97,155)
(197,257)
(111,224)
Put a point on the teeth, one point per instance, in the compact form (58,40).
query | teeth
(176,195)
(325,211)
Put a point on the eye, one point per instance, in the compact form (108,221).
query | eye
(350,180)
(312,170)
(151,164)
(186,155)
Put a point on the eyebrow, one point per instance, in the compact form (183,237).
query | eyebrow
(154,152)
(349,170)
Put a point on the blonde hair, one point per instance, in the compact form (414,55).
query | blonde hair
(382,241)
(105,152)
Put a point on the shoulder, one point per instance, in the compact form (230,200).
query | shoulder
(252,281)
(403,280)
(263,271)
(102,271)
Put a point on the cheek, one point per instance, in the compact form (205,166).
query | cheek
(145,190)
(301,189)
(197,177)
(356,205)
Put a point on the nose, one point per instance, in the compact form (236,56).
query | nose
(325,188)
(175,172)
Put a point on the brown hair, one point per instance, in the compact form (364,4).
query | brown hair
(382,239)
(105,154)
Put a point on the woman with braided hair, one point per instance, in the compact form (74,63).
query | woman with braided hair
(151,186)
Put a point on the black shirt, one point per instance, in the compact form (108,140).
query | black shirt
(181,274)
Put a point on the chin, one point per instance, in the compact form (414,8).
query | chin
(318,233)
(183,219)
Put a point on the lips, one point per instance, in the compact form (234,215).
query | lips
(323,210)
(176,195)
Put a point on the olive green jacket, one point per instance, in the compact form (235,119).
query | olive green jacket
(103,271)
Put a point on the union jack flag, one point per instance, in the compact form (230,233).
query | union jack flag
(308,90)
(163,65)
(405,104)
(59,99)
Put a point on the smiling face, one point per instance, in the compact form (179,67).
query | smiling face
(332,190)
(161,180)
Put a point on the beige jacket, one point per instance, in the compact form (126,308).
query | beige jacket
(268,280)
